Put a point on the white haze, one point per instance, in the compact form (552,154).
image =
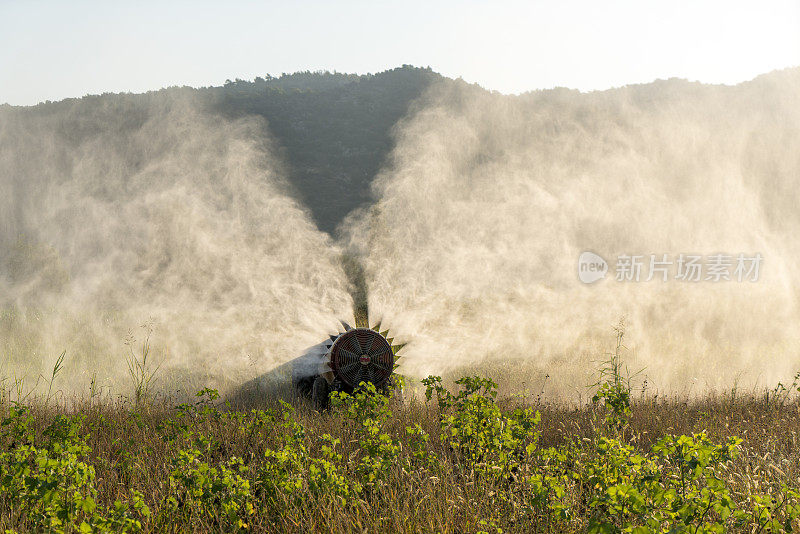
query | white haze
(120,209)
(117,209)
(488,200)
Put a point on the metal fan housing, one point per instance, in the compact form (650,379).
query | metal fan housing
(361,355)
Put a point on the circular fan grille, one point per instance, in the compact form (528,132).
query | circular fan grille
(362,355)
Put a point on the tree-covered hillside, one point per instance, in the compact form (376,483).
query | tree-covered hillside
(335,128)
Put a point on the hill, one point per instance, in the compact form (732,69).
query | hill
(335,128)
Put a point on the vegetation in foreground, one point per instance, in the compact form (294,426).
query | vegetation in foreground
(461,460)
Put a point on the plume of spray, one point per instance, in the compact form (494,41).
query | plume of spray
(117,210)
(471,250)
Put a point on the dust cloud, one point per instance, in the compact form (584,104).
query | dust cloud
(119,211)
(488,200)
(123,210)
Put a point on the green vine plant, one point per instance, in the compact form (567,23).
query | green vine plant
(614,385)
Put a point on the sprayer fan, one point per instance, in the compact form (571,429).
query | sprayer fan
(362,355)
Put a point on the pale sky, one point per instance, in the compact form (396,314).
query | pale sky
(53,50)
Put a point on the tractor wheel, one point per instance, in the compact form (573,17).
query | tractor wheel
(320,392)
(303,387)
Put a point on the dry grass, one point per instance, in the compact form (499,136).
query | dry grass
(135,449)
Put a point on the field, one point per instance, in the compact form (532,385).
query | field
(236,224)
(462,460)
